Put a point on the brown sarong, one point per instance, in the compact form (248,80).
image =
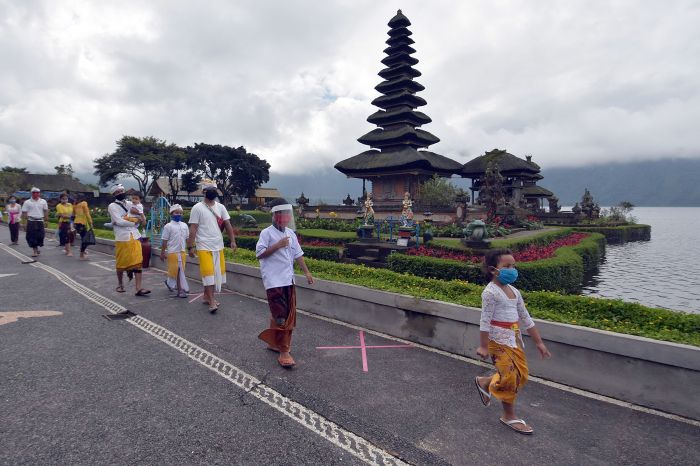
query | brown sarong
(283,305)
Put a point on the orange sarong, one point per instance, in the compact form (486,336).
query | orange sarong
(511,371)
(283,305)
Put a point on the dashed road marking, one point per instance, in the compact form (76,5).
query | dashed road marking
(354,444)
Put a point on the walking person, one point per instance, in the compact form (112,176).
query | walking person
(277,249)
(208,219)
(35,217)
(64,215)
(502,312)
(14,212)
(174,249)
(124,219)
(83,223)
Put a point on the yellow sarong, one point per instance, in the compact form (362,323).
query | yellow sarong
(177,261)
(129,255)
(511,371)
(212,268)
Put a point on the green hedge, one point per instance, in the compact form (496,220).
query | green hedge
(328,253)
(516,244)
(605,314)
(336,237)
(620,234)
(564,272)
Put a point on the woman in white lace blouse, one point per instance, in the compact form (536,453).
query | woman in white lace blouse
(503,315)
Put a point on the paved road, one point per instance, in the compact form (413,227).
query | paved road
(79,389)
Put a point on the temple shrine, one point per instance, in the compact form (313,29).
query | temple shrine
(397,163)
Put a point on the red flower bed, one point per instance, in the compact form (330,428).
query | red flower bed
(532,253)
(315,242)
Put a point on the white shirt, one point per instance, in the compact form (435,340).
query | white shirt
(16,210)
(123,229)
(35,209)
(175,233)
(495,305)
(209,236)
(278,269)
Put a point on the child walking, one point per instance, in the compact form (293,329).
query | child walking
(277,249)
(174,243)
(502,314)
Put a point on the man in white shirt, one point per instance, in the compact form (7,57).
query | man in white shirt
(35,216)
(277,249)
(207,219)
(129,257)
(174,249)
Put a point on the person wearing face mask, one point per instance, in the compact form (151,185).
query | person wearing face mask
(502,313)
(277,250)
(174,247)
(127,246)
(207,220)
(35,217)
(64,215)
(13,211)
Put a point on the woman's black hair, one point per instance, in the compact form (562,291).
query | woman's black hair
(62,195)
(491,259)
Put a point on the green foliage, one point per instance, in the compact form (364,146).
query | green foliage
(437,192)
(235,170)
(190,182)
(339,237)
(605,314)
(620,234)
(9,169)
(10,181)
(64,169)
(448,231)
(563,272)
(516,244)
(328,224)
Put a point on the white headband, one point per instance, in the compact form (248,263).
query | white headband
(277,208)
(116,188)
(175,207)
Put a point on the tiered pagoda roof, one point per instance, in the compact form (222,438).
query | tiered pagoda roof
(508,165)
(395,144)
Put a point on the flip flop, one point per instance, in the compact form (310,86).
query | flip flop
(182,295)
(171,289)
(120,289)
(143,292)
(517,421)
(286,362)
(483,394)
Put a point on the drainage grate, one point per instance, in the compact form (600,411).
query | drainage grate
(119,316)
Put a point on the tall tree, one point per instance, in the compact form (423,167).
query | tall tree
(8,169)
(235,171)
(174,160)
(190,181)
(139,158)
(64,169)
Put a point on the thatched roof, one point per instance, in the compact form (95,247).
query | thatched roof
(55,183)
(406,158)
(507,163)
(536,191)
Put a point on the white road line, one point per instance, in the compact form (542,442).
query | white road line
(354,444)
(476,362)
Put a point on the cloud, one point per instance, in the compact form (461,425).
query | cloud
(572,83)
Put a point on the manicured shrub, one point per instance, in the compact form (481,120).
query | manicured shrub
(621,234)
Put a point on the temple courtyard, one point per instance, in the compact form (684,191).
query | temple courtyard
(176,385)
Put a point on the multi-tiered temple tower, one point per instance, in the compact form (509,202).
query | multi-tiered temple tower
(396,163)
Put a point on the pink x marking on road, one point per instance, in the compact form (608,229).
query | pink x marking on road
(199,295)
(363,347)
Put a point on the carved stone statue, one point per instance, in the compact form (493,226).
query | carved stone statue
(302,202)
(553,204)
(369,210)
(406,211)
(348,201)
(475,231)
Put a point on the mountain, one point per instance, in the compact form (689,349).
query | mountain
(673,182)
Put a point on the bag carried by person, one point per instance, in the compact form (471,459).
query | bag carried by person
(219,220)
(89,238)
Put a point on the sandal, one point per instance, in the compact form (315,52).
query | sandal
(142,292)
(170,288)
(120,289)
(212,310)
(286,362)
(483,394)
(517,421)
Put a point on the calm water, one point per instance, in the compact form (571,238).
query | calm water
(663,272)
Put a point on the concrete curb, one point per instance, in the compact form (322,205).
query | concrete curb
(647,372)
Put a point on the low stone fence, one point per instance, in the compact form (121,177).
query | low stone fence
(651,373)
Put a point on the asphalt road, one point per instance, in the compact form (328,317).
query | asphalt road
(80,389)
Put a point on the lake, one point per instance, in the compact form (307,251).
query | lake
(663,272)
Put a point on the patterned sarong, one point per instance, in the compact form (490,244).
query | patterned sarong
(212,268)
(511,371)
(129,255)
(283,305)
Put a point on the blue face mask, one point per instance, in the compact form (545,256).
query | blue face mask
(507,276)
(177,218)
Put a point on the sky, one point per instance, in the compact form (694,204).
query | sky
(571,83)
